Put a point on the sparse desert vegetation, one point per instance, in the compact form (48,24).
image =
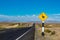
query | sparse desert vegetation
(47,31)
(14,25)
(52,31)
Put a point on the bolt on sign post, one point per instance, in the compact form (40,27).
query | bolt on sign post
(43,17)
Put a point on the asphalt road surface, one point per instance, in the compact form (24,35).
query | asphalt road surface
(12,34)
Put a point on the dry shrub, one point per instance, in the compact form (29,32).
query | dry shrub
(47,30)
(53,32)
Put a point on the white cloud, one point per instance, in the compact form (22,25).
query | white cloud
(54,17)
(57,14)
(27,18)
(51,19)
(33,15)
(19,18)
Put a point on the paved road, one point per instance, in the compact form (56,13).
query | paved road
(12,34)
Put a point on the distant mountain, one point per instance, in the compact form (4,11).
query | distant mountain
(49,21)
(46,21)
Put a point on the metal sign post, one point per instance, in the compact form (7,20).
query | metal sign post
(43,17)
(42,28)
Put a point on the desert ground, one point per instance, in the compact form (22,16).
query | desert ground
(52,30)
(14,25)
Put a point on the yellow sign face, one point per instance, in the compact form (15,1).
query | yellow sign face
(43,16)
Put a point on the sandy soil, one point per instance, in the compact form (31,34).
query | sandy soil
(47,36)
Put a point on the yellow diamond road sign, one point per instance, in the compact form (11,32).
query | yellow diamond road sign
(43,16)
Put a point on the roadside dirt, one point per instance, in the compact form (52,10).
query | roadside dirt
(47,36)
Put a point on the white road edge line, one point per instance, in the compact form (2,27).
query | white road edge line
(23,34)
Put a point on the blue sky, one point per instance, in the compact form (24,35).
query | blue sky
(28,10)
